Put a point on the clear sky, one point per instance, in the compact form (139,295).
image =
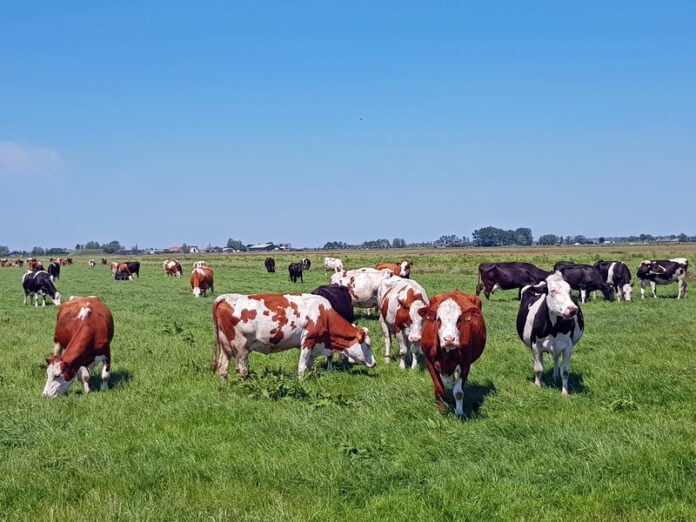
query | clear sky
(162,123)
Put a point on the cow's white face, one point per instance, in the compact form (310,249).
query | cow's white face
(362,352)
(55,381)
(196,292)
(627,290)
(558,297)
(449,316)
(57,298)
(416,330)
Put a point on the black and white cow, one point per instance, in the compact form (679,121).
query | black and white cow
(663,272)
(306,264)
(269,263)
(508,275)
(54,270)
(618,276)
(584,278)
(134,267)
(37,284)
(295,270)
(549,320)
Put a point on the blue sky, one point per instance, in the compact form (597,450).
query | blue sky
(162,123)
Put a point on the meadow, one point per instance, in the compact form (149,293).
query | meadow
(168,442)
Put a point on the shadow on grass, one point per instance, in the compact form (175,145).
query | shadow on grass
(575,382)
(117,379)
(474,395)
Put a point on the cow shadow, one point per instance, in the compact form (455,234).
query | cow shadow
(576,384)
(474,396)
(117,379)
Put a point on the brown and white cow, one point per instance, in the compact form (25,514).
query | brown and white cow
(454,336)
(400,301)
(121,272)
(199,264)
(202,279)
(172,268)
(332,264)
(403,269)
(362,283)
(271,323)
(91,263)
(82,339)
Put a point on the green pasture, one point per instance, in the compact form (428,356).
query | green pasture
(168,442)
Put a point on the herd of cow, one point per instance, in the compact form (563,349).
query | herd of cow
(447,328)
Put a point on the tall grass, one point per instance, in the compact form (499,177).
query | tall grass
(168,442)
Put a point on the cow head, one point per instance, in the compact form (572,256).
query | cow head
(414,312)
(59,377)
(57,298)
(361,351)
(558,297)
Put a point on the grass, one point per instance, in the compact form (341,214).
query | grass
(168,442)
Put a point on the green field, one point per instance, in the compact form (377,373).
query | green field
(168,442)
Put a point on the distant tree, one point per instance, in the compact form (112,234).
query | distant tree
(377,243)
(112,247)
(185,248)
(335,245)
(92,245)
(549,240)
(523,237)
(78,246)
(53,252)
(4,250)
(492,236)
(683,237)
(398,242)
(646,237)
(601,240)
(135,248)
(38,251)
(235,244)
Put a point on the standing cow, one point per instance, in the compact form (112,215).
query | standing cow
(82,339)
(402,269)
(269,263)
(454,336)
(202,279)
(549,320)
(362,283)
(172,268)
(306,264)
(39,284)
(400,301)
(295,271)
(617,276)
(663,272)
(91,263)
(271,323)
(507,275)
(332,264)
(585,278)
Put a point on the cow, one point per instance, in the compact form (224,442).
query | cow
(172,268)
(201,280)
(271,323)
(104,261)
(403,269)
(114,269)
(306,264)
(54,270)
(400,301)
(454,337)
(295,271)
(585,278)
(550,320)
(339,298)
(507,275)
(19,263)
(91,263)
(618,276)
(121,272)
(332,264)
(362,283)
(5,262)
(82,339)
(39,284)
(199,264)
(269,263)
(134,267)
(35,265)
(663,272)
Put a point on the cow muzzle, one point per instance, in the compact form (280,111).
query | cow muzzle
(570,311)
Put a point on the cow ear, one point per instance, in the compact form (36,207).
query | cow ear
(361,336)
(48,361)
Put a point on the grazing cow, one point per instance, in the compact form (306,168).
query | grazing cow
(269,263)
(332,264)
(19,263)
(400,301)
(402,270)
(454,336)
(663,272)
(82,339)
(92,263)
(584,278)
(295,270)
(270,323)
(35,265)
(39,284)
(362,283)
(5,262)
(104,261)
(122,272)
(201,280)
(550,320)
(54,270)
(134,267)
(199,264)
(618,276)
(172,268)
(339,298)
(507,275)
(306,264)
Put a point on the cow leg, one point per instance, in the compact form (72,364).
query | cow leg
(83,375)
(583,295)
(306,359)
(403,348)
(387,339)
(643,282)
(653,287)
(241,364)
(682,288)
(565,372)
(538,363)
(105,374)
(415,350)
(437,383)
